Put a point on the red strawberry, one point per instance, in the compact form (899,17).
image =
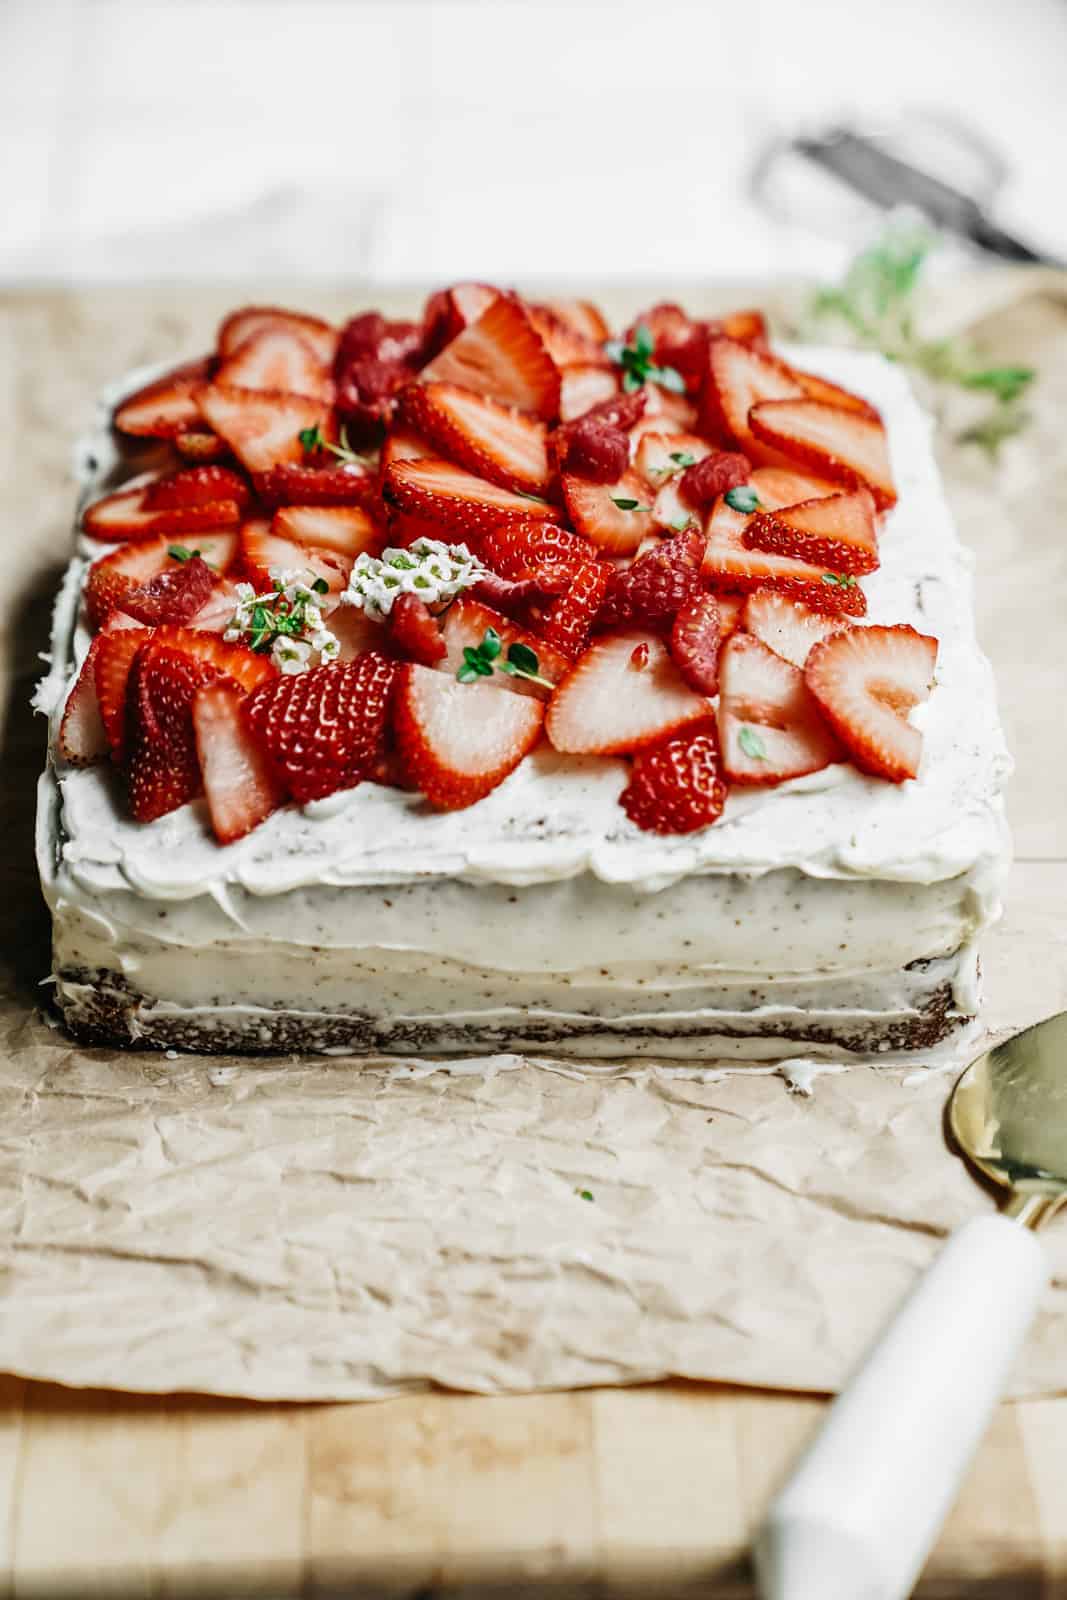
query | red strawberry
(657,585)
(375,361)
(199,444)
(670,513)
(449,311)
(677,786)
(404,444)
(695,639)
(787,626)
(502,357)
(116,575)
(592,449)
(784,486)
(458,741)
(583,316)
(414,631)
(663,455)
(242,325)
(262,550)
(566,346)
(234,661)
(583,388)
(568,621)
(844,446)
(115,649)
(465,626)
(300,484)
(216,614)
(356,633)
(261,427)
(713,475)
(731,607)
(866,681)
(740,376)
(127,515)
(832,394)
(678,341)
(82,736)
(346,529)
(515,596)
(676,411)
(276,359)
(239,783)
(196,486)
(166,407)
(623,411)
(517,549)
(624,693)
(616,516)
(770,725)
(163,771)
(463,504)
(750,327)
(324,730)
(175,595)
(730,564)
(498,443)
(837,531)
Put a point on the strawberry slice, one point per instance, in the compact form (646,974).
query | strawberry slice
(582,388)
(163,767)
(564,343)
(234,661)
(168,406)
(730,564)
(458,741)
(128,515)
(722,470)
(749,326)
(276,359)
(739,377)
(568,621)
(832,394)
(239,783)
(731,610)
(499,444)
(866,681)
(324,730)
(448,311)
(298,484)
(356,633)
(404,444)
(216,614)
(784,486)
(662,455)
(115,649)
(844,446)
(836,531)
(456,499)
(199,444)
(671,513)
(677,786)
(517,549)
(582,316)
(82,735)
(770,725)
(501,356)
(261,427)
(678,413)
(787,626)
(114,576)
(346,529)
(615,516)
(696,637)
(262,549)
(466,624)
(174,595)
(622,694)
(655,587)
(196,486)
(242,325)
(414,632)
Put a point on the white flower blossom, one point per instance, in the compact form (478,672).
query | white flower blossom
(428,568)
(292,600)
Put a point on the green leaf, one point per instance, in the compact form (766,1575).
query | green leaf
(584,1194)
(521,656)
(180,552)
(320,586)
(752,744)
(681,523)
(667,378)
(311,438)
(644,345)
(467,672)
(843,580)
(614,349)
(628,505)
(631,381)
(537,499)
(684,458)
(491,645)
(1007,383)
(743,498)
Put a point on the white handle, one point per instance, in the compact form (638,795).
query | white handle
(860,1513)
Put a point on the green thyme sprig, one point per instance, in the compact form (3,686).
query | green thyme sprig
(626,504)
(313,438)
(752,744)
(742,498)
(638,363)
(271,617)
(482,660)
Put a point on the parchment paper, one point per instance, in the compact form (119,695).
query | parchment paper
(309,1228)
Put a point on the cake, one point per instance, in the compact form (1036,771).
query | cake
(491,684)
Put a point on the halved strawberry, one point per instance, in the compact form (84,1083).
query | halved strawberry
(196,486)
(82,736)
(454,498)
(501,356)
(115,649)
(404,444)
(817,388)
(117,574)
(168,406)
(866,681)
(458,741)
(836,531)
(770,725)
(276,359)
(347,529)
(655,587)
(787,626)
(518,549)
(624,693)
(677,786)
(244,324)
(465,626)
(261,549)
(198,443)
(615,516)
(239,783)
(262,428)
(566,346)
(844,446)
(663,455)
(583,316)
(127,515)
(174,595)
(582,388)
(448,311)
(324,730)
(730,564)
(163,768)
(414,631)
(496,442)
(739,377)
(696,637)
(297,483)
(568,621)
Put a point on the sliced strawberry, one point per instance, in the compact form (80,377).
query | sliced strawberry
(568,621)
(276,359)
(591,447)
(730,564)
(655,587)
(624,693)
(671,513)
(696,637)
(675,409)
(866,681)
(583,316)
(787,626)
(582,388)
(300,484)
(677,786)
(458,741)
(200,444)
(666,455)
(127,516)
(196,486)
(731,609)
(498,443)
(784,486)
(245,324)
(346,529)
(502,357)
(456,499)
(516,596)
(216,614)
(615,516)
(114,576)
(739,377)
(678,341)
(82,735)
(356,633)
(465,626)
(174,595)
(262,428)
(832,394)
(844,446)
(837,531)
(115,649)
(404,444)
(234,661)
(168,406)
(770,724)
(449,311)
(241,787)
(261,549)
(517,549)
(750,327)
(376,359)
(566,346)
(163,767)
(324,730)
(703,483)
(414,631)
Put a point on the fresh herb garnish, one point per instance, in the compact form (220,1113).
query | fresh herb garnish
(482,660)
(313,438)
(684,458)
(181,552)
(843,580)
(638,365)
(742,498)
(537,499)
(681,523)
(628,505)
(584,1194)
(286,620)
(752,744)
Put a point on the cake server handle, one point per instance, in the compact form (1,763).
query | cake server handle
(858,1516)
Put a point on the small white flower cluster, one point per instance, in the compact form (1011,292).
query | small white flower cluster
(428,568)
(288,616)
